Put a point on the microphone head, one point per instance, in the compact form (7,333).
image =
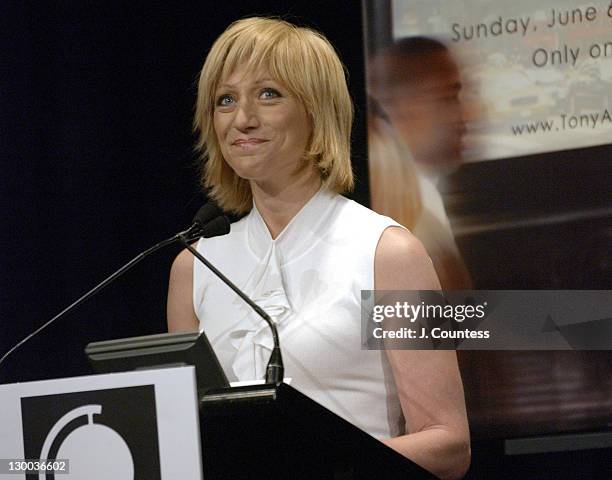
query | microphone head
(208,222)
(216,227)
(209,211)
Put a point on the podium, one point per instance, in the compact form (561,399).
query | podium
(261,431)
(276,432)
(160,428)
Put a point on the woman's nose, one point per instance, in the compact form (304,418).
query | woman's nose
(246,116)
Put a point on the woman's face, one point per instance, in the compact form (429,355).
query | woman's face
(262,129)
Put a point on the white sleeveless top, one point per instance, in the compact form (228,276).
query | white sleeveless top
(309,280)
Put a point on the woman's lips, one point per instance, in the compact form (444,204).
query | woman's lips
(249,142)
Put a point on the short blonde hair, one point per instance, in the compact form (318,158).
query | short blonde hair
(307,65)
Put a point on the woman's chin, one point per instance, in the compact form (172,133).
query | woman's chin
(249,168)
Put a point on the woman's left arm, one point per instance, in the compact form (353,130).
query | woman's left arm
(428,381)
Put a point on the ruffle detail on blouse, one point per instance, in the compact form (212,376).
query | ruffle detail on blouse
(252,336)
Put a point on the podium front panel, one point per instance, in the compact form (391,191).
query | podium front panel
(141,424)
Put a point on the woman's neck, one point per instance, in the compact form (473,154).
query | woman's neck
(278,204)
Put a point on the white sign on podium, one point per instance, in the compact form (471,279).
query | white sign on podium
(133,425)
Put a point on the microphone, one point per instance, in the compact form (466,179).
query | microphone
(215,228)
(207,222)
(207,215)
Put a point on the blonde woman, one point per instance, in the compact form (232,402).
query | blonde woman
(274,120)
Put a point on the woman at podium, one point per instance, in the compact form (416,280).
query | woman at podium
(274,119)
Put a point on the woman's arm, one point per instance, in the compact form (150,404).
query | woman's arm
(428,381)
(180,314)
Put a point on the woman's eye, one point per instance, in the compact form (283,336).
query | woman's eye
(269,93)
(224,100)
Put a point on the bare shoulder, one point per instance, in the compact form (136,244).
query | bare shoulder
(180,312)
(183,264)
(401,263)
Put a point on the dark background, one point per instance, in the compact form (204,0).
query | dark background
(98,163)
